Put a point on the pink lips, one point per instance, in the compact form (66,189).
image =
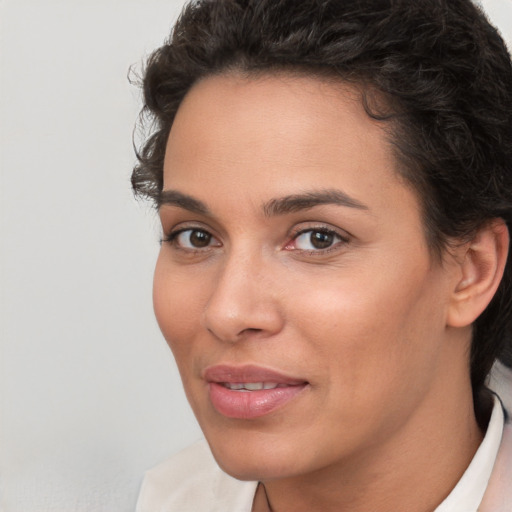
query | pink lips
(247,392)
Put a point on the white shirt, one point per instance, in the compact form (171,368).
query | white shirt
(469,491)
(191,481)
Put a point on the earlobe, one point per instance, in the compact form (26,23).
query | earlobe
(481,268)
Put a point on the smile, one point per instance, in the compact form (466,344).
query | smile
(251,386)
(249,392)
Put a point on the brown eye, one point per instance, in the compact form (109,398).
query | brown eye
(193,239)
(200,238)
(321,240)
(316,240)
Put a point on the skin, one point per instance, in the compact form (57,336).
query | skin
(386,422)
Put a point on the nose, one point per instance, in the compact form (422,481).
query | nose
(244,302)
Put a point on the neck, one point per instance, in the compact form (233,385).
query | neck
(414,470)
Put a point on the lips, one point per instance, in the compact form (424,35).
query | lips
(247,392)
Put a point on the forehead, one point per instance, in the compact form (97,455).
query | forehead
(260,137)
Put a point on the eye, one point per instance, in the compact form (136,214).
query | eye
(192,239)
(315,240)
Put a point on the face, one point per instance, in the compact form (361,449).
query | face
(294,284)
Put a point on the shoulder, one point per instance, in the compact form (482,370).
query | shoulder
(191,481)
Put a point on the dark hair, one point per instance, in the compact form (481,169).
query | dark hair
(442,68)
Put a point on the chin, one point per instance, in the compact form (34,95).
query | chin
(246,470)
(255,459)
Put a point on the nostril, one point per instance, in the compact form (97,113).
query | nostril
(250,330)
(236,312)
(237,337)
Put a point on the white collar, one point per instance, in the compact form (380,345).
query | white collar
(469,491)
(192,481)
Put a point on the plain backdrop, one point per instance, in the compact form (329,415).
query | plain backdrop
(90,396)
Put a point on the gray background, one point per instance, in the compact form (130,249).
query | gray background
(89,394)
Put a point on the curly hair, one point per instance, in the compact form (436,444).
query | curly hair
(445,75)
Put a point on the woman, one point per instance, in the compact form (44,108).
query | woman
(334,184)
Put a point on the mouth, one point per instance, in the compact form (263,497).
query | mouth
(251,386)
(248,392)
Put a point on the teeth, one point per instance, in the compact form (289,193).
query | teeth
(234,386)
(253,386)
(250,386)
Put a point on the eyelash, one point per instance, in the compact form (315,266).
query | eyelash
(342,240)
(324,230)
(172,237)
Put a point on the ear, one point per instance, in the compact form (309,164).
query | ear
(482,262)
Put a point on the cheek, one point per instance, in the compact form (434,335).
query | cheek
(178,302)
(373,334)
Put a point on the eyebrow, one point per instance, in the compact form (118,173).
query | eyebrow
(307,200)
(274,207)
(175,198)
